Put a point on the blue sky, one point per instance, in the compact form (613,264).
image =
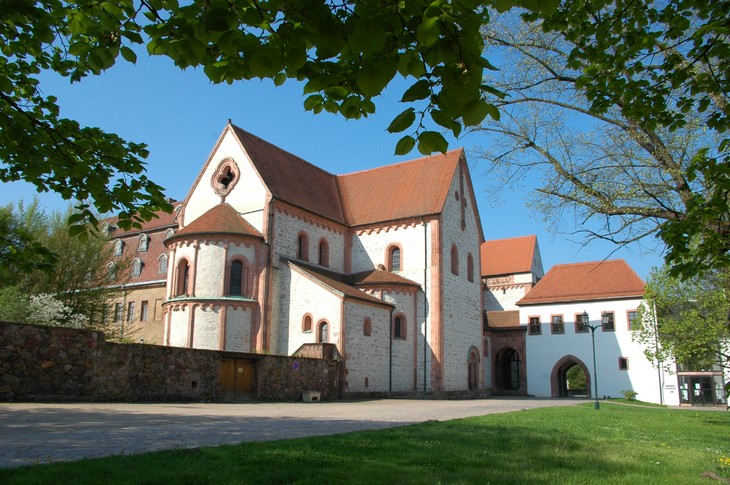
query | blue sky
(180,114)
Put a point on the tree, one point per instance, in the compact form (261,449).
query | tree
(623,108)
(687,321)
(80,283)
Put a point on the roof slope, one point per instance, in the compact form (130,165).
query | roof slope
(221,219)
(508,256)
(598,280)
(291,179)
(407,189)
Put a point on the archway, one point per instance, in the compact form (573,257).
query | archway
(570,378)
(507,371)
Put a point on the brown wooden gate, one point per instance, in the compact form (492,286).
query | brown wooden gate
(237,379)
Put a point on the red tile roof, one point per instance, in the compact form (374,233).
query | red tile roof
(508,256)
(221,219)
(163,219)
(379,277)
(408,189)
(598,280)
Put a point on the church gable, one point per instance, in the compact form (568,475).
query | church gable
(227,176)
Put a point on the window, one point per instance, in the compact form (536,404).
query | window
(130,311)
(399,327)
(183,270)
(324,332)
(111,271)
(302,247)
(607,322)
(470,267)
(238,279)
(118,310)
(143,243)
(556,324)
(580,327)
(144,310)
(623,363)
(307,324)
(394,259)
(162,267)
(136,267)
(118,247)
(454,260)
(367,327)
(169,233)
(535,328)
(324,253)
(633,319)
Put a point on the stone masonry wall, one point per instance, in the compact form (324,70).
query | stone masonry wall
(39,363)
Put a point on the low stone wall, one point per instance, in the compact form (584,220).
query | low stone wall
(39,363)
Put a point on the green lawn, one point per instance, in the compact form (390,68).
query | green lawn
(617,444)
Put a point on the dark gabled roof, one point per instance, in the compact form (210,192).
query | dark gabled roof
(598,280)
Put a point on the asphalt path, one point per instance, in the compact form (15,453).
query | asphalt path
(33,433)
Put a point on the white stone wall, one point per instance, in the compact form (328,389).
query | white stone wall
(404,350)
(286,231)
(238,330)
(369,249)
(210,270)
(179,327)
(367,356)
(206,329)
(503,299)
(461,299)
(247,197)
(545,350)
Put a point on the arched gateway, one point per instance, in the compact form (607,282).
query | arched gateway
(570,378)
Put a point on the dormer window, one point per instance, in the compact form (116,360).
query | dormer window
(136,267)
(169,233)
(143,242)
(118,247)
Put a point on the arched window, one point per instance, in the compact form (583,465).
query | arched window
(143,242)
(367,327)
(307,323)
(136,267)
(303,246)
(238,279)
(183,272)
(118,247)
(454,260)
(399,327)
(324,253)
(162,260)
(394,259)
(111,269)
(323,334)
(470,267)
(169,233)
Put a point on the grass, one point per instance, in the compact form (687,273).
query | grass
(567,445)
(635,402)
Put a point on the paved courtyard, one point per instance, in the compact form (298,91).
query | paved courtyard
(33,433)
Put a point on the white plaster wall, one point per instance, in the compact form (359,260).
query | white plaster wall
(286,232)
(300,295)
(179,327)
(248,196)
(525,277)
(503,299)
(404,352)
(206,329)
(461,299)
(545,350)
(369,249)
(238,330)
(240,249)
(210,270)
(367,356)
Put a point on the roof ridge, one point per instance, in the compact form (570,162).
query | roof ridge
(531,236)
(248,133)
(398,164)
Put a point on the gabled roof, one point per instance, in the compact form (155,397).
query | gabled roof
(379,277)
(598,280)
(292,179)
(508,256)
(403,190)
(407,189)
(221,219)
(334,281)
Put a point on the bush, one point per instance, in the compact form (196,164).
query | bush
(629,395)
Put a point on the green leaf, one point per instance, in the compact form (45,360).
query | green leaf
(474,112)
(313,101)
(279,79)
(402,121)
(128,54)
(405,145)
(428,32)
(216,20)
(420,90)
(374,77)
(432,141)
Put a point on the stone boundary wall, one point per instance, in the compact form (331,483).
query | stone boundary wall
(39,363)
